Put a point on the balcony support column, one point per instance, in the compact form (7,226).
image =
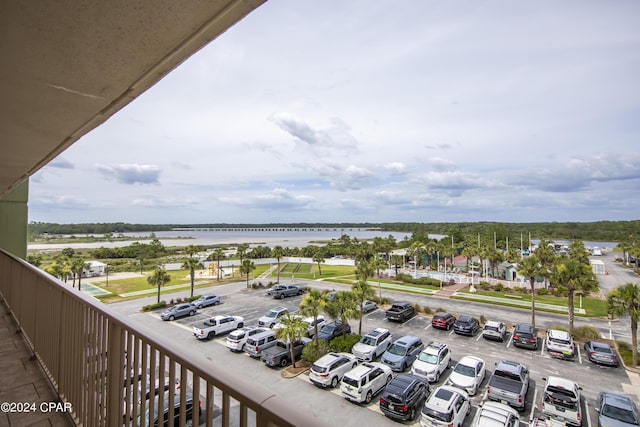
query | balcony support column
(13,220)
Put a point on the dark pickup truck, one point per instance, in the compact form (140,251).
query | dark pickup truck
(280,354)
(509,384)
(400,312)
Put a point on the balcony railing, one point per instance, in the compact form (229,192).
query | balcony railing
(104,368)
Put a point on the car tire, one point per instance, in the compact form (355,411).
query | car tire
(172,318)
(210,335)
(437,376)
(241,325)
(448,326)
(189,423)
(284,362)
(216,303)
(412,414)
(334,382)
(192,312)
(389,378)
(281,296)
(368,397)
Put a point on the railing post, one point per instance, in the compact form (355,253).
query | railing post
(115,369)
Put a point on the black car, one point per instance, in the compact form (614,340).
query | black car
(189,408)
(332,330)
(600,352)
(466,325)
(404,397)
(525,336)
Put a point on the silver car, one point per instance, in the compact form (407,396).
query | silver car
(616,410)
(178,310)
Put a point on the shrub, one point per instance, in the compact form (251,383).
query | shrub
(441,310)
(417,308)
(560,291)
(519,290)
(498,287)
(161,304)
(624,348)
(171,302)
(193,298)
(344,343)
(559,328)
(311,352)
(542,291)
(586,333)
(482,319)
(485,286)
(427,309)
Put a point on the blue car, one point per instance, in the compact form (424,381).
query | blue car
(206,301)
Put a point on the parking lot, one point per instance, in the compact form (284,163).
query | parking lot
(330,405)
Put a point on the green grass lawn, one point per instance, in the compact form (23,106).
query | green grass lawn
(310,271)
(594,307)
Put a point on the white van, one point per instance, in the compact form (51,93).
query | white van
(561,400)
(256,343)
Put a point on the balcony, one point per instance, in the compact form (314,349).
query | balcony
(95,363)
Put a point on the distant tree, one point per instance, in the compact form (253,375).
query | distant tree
(343,307)
(625,301)
(277,252)
(546,255)
(159,278)
(293,329)
(361,291)
(218,254)
(191,250)
(396,262)
(68,252)
(77,265)
(318,258)
(530,268)
(312,305)
(378,264)
(574,275)
(192,264)
(247,267)
(241,251)
(35,260)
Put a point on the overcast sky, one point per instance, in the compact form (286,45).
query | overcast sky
(377,111)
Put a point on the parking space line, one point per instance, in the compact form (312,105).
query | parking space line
(508,343)
(479,336)
(586,415)
(542,348)
(451,332)
(579,355)
(534,405)
(428,326)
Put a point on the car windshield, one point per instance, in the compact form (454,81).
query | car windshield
(491,328)
(606,350)
(429,358)
(620,414)
(272,313)
(328,328)
(468,371)
(350,381)
(367,340)
(318,369)
(398,350)
(559,341)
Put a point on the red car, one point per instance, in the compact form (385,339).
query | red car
(443,321)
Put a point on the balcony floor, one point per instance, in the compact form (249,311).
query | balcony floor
(22,380)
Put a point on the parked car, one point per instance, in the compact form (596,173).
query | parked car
(280,353)
(468,374)
(509,384)
(272,316)
(600,352)
(330,368)
(152,414)
(616,410)
(216,325)
(178,310)
(206,301)
(238,338)
(402,353)
(332,330)
(400,312)
(562,400)
(493,330)
(496,414)
(365,381)
(282,291)
(560,344)
(432,361)
(259,342)
(330,296)
(319,321)
(368,306)
(447,407)
(373,344)
(443,321)
(525,336)
(404,397)
(466,325)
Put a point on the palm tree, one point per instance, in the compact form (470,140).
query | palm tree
(530,268)
(312,305)
(396,261)
(159,278)
(574,275)
(343,307)
(318,258)
(361,291)
(293,329)
(625,300)
(364,270)
(241,250)
(546,256)
(218,254)
(377,264)
(277,252)
(247,267)
(191,250)
(191,264)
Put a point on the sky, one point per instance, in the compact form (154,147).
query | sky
(376,111)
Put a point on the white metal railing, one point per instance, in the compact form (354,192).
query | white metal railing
(104,367)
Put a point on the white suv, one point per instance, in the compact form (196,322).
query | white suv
(561,400)
(364,381)
(432,361)
(330,368)
(373,344)
(238,338)
(447,406)
(560,344)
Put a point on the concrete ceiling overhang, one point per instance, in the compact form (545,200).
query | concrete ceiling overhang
(68,65)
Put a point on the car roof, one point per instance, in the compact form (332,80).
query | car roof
(557,333)
(471,361)
(406,340)
(524,327)
(618,400)
(329,358)
(510,366)
(493,323)
(434,347)
(465,319)
(562,383)
(377,331)
(400,383)
(363,369)
(495,413)
(442,397)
